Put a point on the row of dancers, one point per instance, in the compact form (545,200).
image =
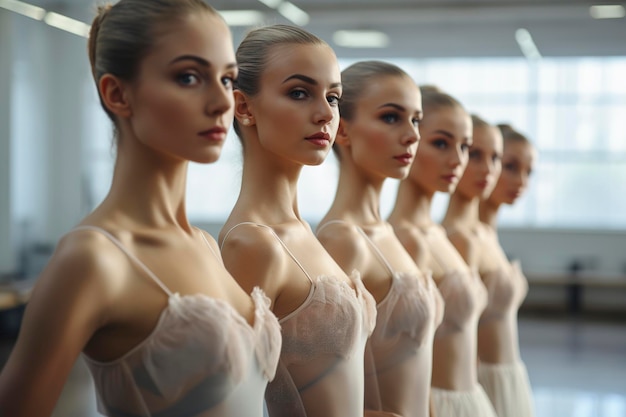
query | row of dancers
(363,316)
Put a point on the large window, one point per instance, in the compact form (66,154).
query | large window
(573,109)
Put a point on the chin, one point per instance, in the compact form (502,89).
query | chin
(206,159)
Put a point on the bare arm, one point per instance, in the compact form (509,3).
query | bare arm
(65,309)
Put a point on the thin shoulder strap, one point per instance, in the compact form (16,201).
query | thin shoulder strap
(132,257)
(277,238)
(375,248)
(207,243)
(435,254)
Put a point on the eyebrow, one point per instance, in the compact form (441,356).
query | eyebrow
(398,107)
(445,133)
(199,60)
(308,80)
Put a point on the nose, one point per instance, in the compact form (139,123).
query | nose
(220,100)
(323,113)
(411,136)
(457,156)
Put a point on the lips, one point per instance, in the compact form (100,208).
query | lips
(319,138)
(449,178)
(405,158)
(216,134)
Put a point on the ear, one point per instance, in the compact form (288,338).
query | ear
(114,95)
(343,139)
(243,111)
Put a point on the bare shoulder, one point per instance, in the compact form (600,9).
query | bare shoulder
(71,300)
(84,260)
(254,257)
(413,240)
(344,243)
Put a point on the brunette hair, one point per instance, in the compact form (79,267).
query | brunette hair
(122,34)
(434,98)
(254,49)
(511,134)
(356,78)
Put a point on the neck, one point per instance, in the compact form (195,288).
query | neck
(269,189)
(413,204)
(462,210)
(357,197)
(488,213)
(147,188)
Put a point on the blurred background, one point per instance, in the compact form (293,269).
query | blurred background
(554,69)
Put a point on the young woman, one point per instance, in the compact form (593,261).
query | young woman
(446,133)
(501,370)
(461,221)
(286,109)
(163,327)
(378,134)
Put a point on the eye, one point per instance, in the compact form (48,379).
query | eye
(228,82)
(474,154)
(389,118)
(187,79)
(440,144)
(298,94)
(416,121)
(465,147)
(510,167)
(333,100)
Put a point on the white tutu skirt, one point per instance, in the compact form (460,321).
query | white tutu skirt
(508,388)
(474,403)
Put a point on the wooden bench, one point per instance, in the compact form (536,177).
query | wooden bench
(575,287)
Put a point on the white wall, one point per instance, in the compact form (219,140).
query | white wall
(7,253)
(41,127)
(46,134)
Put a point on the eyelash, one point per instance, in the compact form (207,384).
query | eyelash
(180,78)
(229,82)
(389,118)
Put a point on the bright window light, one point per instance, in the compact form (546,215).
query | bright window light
(242,17)
(361,38)
(609,11)
(293,13)
(526,44)
(271,3)
(24,9)
(67,24)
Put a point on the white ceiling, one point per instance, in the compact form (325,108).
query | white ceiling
(439,28)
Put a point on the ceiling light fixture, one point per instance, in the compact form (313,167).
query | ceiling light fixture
(67,24)
(361,38)
(242,17)
(527,45)
(24,9)
(608,11)
(293,13)
(273,4)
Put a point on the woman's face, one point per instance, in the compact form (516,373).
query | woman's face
(518,158)
(446,134)
(181,102)
(382,136)
(484,165)
(296,113)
